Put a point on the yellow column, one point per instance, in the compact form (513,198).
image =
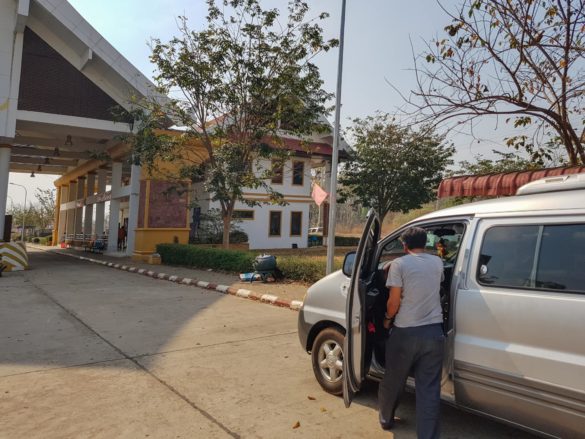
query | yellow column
(57,216)
(146,204)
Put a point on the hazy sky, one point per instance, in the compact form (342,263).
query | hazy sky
(378,49)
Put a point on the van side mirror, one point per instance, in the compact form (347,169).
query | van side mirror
(348,263)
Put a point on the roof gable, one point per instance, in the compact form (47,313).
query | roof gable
(50,84)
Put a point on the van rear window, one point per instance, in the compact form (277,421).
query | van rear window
(561,262)
(540,257)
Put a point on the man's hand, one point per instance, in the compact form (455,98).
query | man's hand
(387,323)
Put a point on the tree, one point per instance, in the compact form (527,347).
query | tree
(391,167)
(45,208)
(506,162)
(39,215)
(519,59)
(237,86)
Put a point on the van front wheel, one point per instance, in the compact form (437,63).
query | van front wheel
(327,359)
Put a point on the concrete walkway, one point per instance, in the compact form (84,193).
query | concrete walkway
(91,352)
(286,290)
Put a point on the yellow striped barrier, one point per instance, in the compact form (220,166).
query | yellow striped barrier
(14,256)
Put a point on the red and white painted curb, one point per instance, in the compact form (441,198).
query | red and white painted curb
(269,299)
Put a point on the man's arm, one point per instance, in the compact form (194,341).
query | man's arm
(393,301)
(392,305)
(394,283)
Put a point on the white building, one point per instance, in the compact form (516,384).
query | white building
(270,226)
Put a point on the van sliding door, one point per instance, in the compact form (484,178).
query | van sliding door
(519,350)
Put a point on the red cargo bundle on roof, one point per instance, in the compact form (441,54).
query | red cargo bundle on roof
(495,185)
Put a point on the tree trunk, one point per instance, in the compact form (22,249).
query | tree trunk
(226,230)
(227,213)
(382,217)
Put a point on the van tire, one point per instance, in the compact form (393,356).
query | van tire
(327,360)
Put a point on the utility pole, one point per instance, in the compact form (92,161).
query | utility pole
(23,211)
(335,154)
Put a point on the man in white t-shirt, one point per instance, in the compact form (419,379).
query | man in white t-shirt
(416,339)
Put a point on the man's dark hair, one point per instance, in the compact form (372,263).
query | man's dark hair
(414,238)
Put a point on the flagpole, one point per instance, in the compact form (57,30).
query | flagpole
(335,154)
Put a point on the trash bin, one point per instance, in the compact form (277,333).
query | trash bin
(265,263)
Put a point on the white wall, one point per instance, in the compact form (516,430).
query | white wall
(287,188)
(258,228)
(298,198)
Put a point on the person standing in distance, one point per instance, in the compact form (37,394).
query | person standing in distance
(416,339)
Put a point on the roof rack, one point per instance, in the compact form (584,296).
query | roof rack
(553,184)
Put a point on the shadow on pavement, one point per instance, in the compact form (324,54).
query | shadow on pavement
(65,312)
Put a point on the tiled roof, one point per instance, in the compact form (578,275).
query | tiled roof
(493,185)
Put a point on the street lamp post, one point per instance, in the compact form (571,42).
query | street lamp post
(23,211)
(335,153)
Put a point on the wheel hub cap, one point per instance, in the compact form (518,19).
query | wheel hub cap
(331,359)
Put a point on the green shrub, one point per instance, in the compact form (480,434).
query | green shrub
(238,237)
(304,269)
(216,258)
(307,269)
(45,240)
(340,241)
(36,240)
(346,241)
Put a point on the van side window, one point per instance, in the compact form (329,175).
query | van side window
(507,256)
(561,263)
(442,240)
(537,257)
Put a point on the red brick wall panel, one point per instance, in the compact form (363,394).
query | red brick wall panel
(141,204)
(168,205)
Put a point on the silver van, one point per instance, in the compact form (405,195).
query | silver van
(513,308)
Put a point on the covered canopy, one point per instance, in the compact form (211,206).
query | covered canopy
(494,185)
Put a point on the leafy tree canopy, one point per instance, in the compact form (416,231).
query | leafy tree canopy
(506,162)
(234,87)
(519,60)
(39,215)
(393,168)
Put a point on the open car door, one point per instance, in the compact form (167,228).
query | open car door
(355,322)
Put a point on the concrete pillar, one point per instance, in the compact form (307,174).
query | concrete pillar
(4,171)
(133,208)
(13,16)
(57,216)
(70,226)
(62,225)
(100,208)
(115,206)
(79,210)
(88,218)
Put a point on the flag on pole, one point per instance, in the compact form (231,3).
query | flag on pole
(319,195)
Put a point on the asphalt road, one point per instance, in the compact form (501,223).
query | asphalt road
(88,351)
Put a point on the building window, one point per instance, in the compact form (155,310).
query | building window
(277,172)
(298,173)
(243,214)
(275,223)
(296,223)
